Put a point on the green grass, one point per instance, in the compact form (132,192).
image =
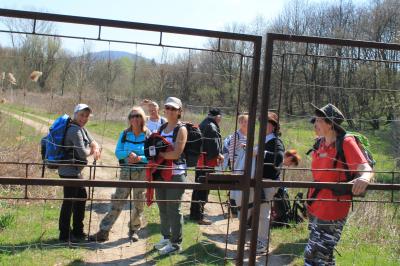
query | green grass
(32,239)
(15,132)
(365,240)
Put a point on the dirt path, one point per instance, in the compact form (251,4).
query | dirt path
(217,231)
(119,250)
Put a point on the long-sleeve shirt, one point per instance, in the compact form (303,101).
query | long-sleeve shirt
(77,145)
(273,154)
(123,149)
(236,145)
(212,141)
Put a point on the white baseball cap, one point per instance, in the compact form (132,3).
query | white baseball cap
(174,102)
(82,106)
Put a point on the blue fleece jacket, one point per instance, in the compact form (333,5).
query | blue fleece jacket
(123,150)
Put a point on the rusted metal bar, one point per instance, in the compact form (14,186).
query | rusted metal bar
(125,42)
(181,201)
(332,41)
(185,185)
(261,146)
(332,185)
(125,25)
(114,183)
(245,181)
(339,57)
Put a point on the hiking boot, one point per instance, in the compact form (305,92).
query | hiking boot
(261,246)
(204,222)
(170,248)
(80,236)
(162,243)
(133,236)
(69,239)
(100,236)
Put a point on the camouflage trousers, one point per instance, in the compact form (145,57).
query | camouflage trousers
(137,207)
(324,236)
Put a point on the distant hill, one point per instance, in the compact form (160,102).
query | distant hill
(115,55)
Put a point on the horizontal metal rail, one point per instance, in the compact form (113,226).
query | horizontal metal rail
(126,25)
(332,41)
(126,42)
(186,185)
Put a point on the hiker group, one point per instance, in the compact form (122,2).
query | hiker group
(156,148)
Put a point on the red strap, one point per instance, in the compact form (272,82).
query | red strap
(166,173)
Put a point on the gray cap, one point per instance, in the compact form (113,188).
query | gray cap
(82,106)
(174,102)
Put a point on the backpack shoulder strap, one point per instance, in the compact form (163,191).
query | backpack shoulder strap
(162,127)
(315,146)
(176,130)
(341,157)
(147,133)
(123,139)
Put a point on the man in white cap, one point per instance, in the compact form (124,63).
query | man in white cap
(78,145)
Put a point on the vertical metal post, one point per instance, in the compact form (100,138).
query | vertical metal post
(245,184)
(26,176)
(262,131)
(91,193)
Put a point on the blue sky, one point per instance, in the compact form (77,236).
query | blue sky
(204,14)
(208,14)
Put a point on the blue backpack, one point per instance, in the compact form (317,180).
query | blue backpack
(53,151)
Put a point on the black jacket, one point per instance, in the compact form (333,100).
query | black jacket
(274,154)
(212,141)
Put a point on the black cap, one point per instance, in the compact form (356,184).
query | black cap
(214,112)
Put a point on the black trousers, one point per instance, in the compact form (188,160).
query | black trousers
(74,208)
(197,208)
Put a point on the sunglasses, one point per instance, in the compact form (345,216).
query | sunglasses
(170,108)
(134,116)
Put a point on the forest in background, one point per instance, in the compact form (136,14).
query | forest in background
(361,82)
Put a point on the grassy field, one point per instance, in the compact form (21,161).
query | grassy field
(29,235)
(371,236)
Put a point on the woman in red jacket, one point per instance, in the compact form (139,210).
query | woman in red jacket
(327,217)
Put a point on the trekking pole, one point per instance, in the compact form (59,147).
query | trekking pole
(220,203)
(130,203)
(227,233)
(91,198)
(43,169)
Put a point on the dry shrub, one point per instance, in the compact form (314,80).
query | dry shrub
(379,221)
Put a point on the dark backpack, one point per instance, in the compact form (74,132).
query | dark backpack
(193,144)
(52,145)
(283,213)
(281,209)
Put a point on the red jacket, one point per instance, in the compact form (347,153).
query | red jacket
(158,164)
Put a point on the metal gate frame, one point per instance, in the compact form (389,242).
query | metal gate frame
(255,75)
(271,39)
